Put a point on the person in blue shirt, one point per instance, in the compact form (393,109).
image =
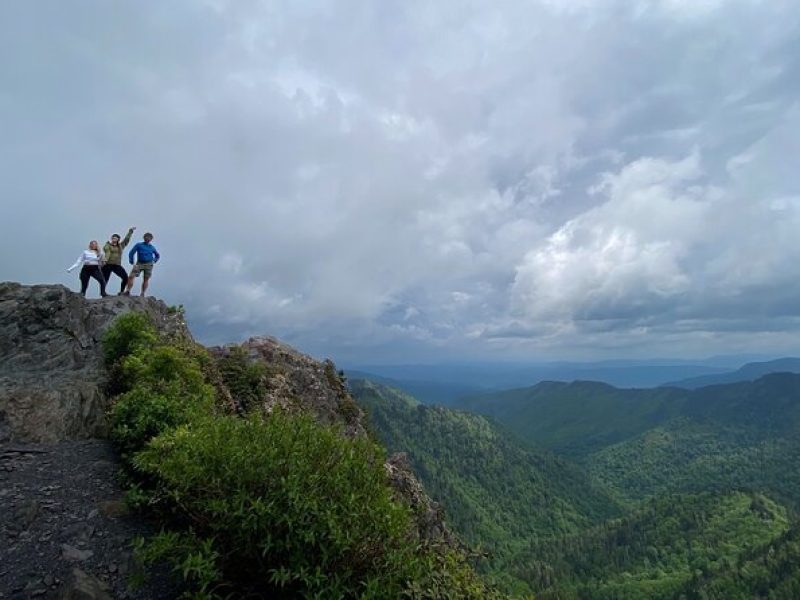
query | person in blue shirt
(146,256)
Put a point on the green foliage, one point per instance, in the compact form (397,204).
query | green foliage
(498,494)
(288,505)
(686,455)
(246,380)
(192,558)
(129,333)
(645,442)
(709,543)
(165,389)
(575,419)
(274,505)
(771,571)
(658,551)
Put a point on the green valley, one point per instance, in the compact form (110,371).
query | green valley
(583,490)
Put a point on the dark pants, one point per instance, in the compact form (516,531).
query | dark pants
(92,271)
(117,270)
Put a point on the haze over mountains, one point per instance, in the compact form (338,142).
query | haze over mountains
(746,372)
(446,384)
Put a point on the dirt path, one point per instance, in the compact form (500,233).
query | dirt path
(64,530)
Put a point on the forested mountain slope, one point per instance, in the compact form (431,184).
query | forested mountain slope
(542,518)
(770,571)
(579,417)
(497,493)
(647,442)
(671,547)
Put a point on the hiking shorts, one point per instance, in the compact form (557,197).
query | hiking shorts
(146,268)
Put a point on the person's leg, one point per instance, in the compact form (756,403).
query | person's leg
(120,272)
(145,281)
(131,279)
(129,285)
(84,279)
(97,274)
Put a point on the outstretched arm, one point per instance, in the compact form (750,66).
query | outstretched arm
(77,264)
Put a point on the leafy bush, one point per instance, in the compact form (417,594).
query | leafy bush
(165,386)
(247,381)
(146,411)
(289,503)
(130,332)
(278,505)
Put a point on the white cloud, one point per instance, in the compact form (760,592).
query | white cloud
(416,175)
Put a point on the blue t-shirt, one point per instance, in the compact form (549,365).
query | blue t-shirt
(147,253)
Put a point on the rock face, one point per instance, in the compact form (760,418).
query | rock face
(52,379)
(51,366)
(296,381)
(428,515)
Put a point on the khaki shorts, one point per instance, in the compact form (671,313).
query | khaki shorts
(146,268)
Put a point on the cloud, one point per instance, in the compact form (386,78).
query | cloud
(408,179)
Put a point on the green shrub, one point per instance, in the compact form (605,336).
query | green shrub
(246,381)
(146,411)
(164,367)
(166,389)
(290,504)
(277,506)
(129,332)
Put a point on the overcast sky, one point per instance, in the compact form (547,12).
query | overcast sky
(412,181)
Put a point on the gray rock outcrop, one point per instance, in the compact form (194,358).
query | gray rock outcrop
(52,379)
(51,363)
(296,381)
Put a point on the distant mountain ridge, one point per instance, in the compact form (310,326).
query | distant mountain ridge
(479,377)
(747,372)
(645,442)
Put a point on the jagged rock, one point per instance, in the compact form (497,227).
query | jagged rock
(51,367)
(82,586)
(428,515)
(299,382)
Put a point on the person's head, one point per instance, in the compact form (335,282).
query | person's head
(115,239)
(94,246)
(148,237)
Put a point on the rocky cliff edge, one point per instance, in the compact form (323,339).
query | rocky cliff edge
(51,361)
(52,378)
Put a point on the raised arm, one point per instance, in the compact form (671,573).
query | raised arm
(126,240)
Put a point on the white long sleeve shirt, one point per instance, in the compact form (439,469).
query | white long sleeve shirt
(89,258)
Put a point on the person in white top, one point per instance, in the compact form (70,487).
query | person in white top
(91,262)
